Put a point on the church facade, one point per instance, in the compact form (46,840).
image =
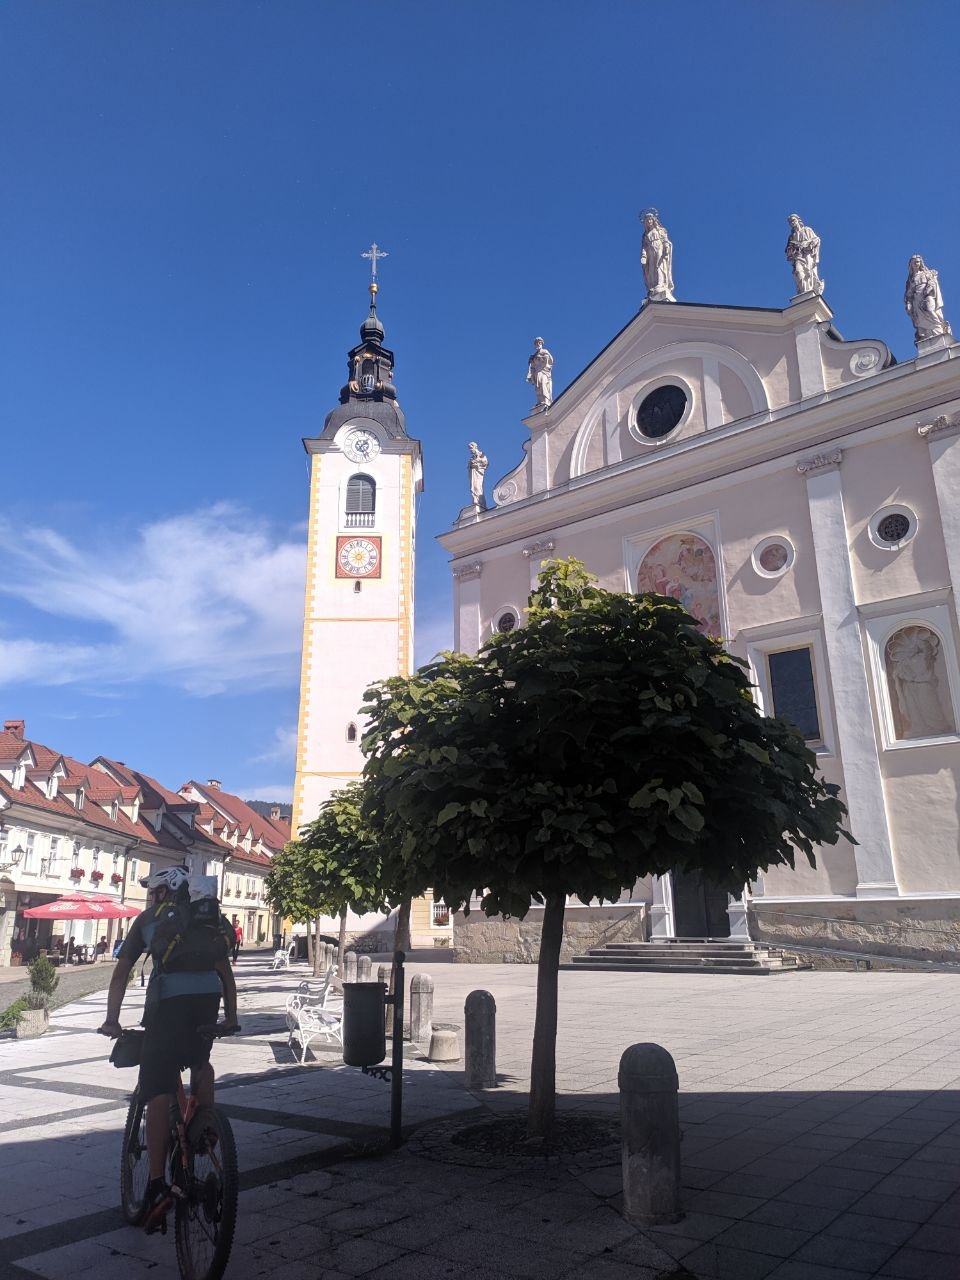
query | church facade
(800,495)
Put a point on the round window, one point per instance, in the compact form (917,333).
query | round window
(893,528)
(660,411)
(773,556)
(506,622)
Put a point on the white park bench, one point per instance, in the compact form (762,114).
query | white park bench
(315,1011)
(283,958)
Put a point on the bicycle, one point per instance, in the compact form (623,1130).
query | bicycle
(201,1167)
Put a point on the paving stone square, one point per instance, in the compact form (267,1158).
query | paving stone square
(820,1115)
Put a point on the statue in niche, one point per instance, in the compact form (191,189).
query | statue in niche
(476,468)
(910,657)
(924,301)
(540,373)
(803,254)
(656,258)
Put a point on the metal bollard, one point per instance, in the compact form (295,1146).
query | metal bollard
(480,1040)
(350,967)
(420,1022)
(364,969)
(650,1136)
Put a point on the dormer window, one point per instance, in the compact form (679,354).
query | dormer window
(19,776)
(115,810)
(51,787)
(79,797)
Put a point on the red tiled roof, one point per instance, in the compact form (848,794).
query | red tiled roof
(12,747)
(273,837)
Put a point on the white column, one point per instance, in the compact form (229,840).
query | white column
(535,554)
(712,398)
(467,616)
(810,361)
(661,909)
(856,736)
(941,436)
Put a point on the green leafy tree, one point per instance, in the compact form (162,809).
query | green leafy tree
(606,740)
(341,862)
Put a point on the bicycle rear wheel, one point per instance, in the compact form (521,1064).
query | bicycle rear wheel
(206,1213)
(134,1163)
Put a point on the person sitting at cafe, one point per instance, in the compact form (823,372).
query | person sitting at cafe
(101,948)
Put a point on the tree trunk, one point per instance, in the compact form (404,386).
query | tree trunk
(309,946)
(342,941)
(543,1065)
(316,947)
(401,939)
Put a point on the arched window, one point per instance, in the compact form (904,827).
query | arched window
(361,502)
(351,733)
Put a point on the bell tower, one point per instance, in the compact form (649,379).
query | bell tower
(365,474)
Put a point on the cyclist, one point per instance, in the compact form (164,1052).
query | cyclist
(179,1001)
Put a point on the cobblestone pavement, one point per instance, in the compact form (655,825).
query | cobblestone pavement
(821,1117)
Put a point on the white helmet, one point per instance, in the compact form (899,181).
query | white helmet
(170,878)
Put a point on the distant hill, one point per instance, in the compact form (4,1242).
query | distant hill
(263,807)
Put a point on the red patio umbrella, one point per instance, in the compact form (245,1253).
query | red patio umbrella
(81,906)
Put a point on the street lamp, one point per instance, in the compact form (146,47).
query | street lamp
(16,856)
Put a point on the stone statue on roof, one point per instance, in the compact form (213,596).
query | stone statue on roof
(803,254)
(924,301)
(540,373)
(656,258)
(476,468)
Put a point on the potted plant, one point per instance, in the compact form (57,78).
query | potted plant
(116,878)
(76,873)
(34,1018)
(96,876)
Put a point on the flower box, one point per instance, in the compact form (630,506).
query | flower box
(96,876)
(116,878)
(76,873)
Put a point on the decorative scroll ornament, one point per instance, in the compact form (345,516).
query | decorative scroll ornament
(467,571)
(820,462)
(541,548)
(506,493)
(942,425)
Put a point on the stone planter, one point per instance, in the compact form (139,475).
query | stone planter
(32,1023)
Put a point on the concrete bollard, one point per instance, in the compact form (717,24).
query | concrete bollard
(480,1040)
(419,1026)
(350,967)
(444,1043)
(364,969)
(650,1136)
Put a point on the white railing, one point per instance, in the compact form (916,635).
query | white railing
(359,520)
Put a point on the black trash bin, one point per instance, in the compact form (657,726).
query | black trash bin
(364,1039)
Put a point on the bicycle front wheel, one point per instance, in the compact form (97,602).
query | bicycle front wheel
(134,1163)
(206,1212)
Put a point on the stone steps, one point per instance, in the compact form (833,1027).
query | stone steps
(686,955)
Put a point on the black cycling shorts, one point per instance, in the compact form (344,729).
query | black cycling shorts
(171,1042)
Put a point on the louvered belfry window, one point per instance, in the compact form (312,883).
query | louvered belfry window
(361,502)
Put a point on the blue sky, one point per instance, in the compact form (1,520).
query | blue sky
(187,189)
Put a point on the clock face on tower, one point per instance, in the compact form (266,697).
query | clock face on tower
(361,445)
(358,557)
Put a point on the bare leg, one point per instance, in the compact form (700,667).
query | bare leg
(158,1129)
(201,1084)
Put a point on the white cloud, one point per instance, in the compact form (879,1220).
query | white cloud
(283,749)
(208,601)
(282,793)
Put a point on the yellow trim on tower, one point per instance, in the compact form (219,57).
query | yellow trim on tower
(308,607)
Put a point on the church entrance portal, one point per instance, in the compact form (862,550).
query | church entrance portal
(699,907)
